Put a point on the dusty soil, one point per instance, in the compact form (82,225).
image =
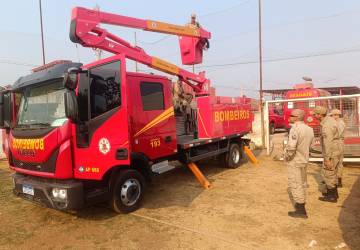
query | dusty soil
(246,208)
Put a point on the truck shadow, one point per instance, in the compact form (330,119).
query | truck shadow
(178,187)
(349,217)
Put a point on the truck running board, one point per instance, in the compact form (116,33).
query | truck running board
(161,167)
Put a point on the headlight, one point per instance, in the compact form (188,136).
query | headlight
(55,192)
(63,194)
(59,193)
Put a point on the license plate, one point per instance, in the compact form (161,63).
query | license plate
(27,189)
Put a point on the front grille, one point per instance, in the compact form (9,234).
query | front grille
(27,165)
(47,166)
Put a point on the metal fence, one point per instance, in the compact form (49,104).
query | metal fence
(277,113)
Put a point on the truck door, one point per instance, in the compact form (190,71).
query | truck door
(102,138)
(152,121)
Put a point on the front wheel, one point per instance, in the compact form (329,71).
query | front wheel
(127,191)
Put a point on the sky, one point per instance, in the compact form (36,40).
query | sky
(319,39)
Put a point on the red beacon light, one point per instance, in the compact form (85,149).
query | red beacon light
(49,65)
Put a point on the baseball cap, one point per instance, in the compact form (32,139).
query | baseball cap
(335,112)
(298,113)
(320,110)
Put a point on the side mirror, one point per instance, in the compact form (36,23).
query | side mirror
(70,80)
(71,106)
(72,76)
(5,110)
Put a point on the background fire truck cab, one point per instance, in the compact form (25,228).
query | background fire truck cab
(80,134)
(277,118)
(279,113)
(304,90)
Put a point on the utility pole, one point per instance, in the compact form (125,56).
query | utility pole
(42,34)
(136,64)
(261,80)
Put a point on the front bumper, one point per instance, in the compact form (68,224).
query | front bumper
(42,191)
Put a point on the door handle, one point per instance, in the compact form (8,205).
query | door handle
(167,139)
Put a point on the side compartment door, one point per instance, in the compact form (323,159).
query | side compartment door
(154,122)
(102,134)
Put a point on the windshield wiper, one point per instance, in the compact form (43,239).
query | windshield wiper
(22,125)
(40,124)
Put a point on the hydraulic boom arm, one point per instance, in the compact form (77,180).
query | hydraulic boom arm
(86,31)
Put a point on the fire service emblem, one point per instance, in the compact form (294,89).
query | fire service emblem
(104,146)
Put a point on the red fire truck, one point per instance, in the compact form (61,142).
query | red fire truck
(276,118)
(279,113)
(80,134)
(305,90)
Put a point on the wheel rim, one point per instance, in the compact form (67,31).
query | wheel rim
(235,156)
(130,192)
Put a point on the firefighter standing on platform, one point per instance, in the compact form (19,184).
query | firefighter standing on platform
(296,155)
(335,113)
(195,24)
(331,151)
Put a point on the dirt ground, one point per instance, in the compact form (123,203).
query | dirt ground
(246,208)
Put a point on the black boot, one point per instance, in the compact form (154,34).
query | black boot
(339,183)
(299,212)
(325,192)
(330,196)
(336,193)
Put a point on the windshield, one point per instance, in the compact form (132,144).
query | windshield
(43,106)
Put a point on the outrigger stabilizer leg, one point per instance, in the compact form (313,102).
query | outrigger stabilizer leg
(199,176)
(250,155)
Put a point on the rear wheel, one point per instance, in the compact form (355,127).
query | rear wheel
(234,156)
(127,191)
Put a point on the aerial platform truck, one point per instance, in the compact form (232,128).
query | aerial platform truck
(78,134)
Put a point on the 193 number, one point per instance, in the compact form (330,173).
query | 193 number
(154,143)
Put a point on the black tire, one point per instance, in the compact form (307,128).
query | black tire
(127,191)
(234,156)
(271,128)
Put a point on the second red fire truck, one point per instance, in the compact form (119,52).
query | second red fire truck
(279,113)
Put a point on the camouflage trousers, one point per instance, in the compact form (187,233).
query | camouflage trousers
(297,181)
(340,167)
(330,173)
